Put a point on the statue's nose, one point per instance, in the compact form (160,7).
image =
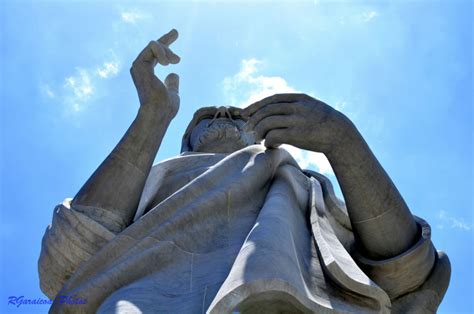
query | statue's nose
(222,112)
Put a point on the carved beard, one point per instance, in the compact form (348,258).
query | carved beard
(220,137)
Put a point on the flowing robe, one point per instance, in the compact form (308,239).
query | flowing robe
(248,232)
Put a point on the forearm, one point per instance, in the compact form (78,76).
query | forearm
(118,182)
(381,221)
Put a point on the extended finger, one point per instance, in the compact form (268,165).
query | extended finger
(172,83)
(269,110)
(171,56)
(277,98)
(168,38)
(159,53)
(271,123)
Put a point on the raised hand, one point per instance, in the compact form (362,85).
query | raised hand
(152,92)
(131,159)
(298,120)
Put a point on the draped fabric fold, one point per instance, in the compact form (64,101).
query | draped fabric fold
(217,234)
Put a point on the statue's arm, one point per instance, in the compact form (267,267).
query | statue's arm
(381,221)
(107,202)
(118,182)
(380,218)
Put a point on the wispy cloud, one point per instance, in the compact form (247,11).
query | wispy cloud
(108,69)
(369,15)
(455,223)
(132,16)
(248,86)
(358,18)
(78,89)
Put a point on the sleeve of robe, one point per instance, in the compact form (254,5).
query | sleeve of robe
(71,239)
(78,232)
(415,280)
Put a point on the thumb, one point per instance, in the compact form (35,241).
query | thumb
(172,83)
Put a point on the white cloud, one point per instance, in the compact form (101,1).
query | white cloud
(108,69)
(454,223)
(80,84)
(79,89)
(367,16)
(358,18)
(248,86)
(131,16)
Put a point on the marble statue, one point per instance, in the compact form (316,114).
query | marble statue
(234,225)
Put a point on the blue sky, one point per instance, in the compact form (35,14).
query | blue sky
(401,70)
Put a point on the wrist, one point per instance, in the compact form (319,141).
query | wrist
(346,139)
(154,114)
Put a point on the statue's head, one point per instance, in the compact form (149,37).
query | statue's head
(216,130)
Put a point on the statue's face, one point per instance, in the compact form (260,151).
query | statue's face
(221,133)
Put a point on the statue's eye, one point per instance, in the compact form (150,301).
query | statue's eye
(204,117)
(238,116)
